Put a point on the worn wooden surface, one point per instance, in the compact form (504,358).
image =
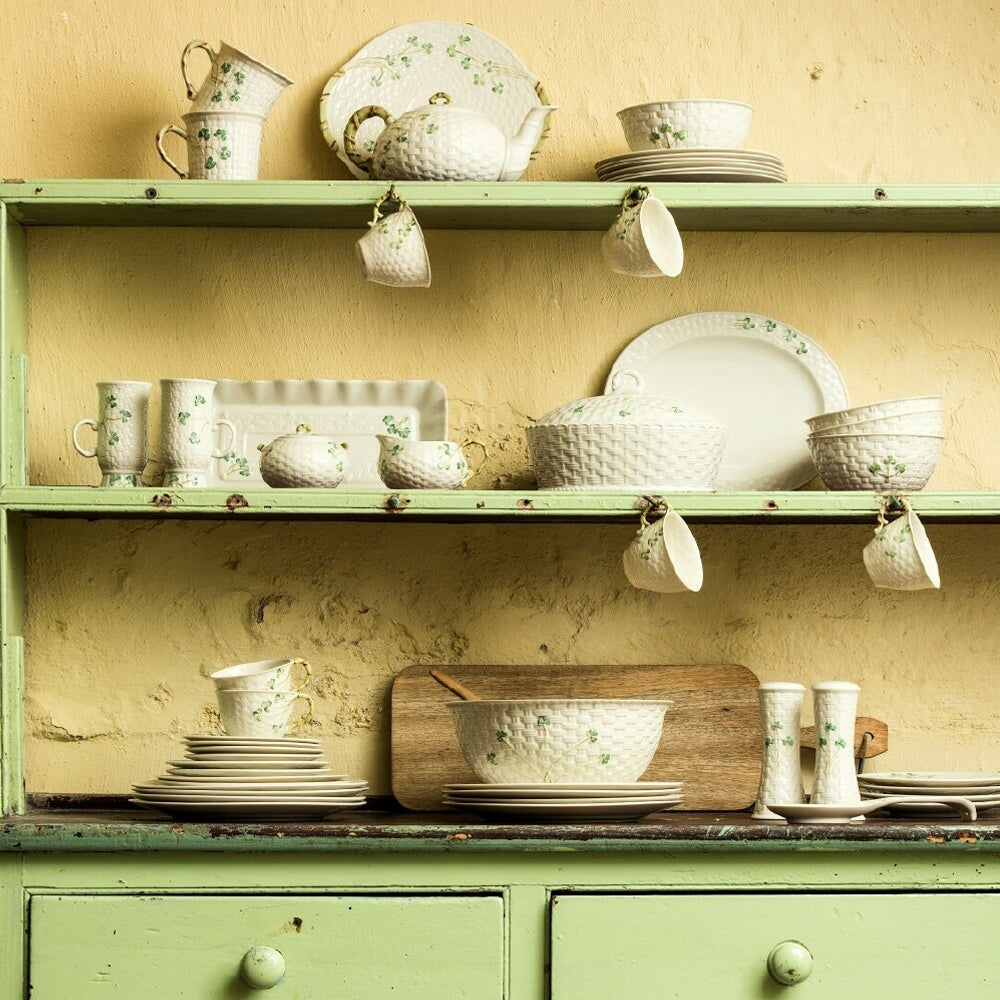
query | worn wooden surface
(710,734)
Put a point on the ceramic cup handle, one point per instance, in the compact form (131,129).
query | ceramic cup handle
(177,130)
(473,443)
(307,680)
(86,452)
(306,717)
(192,90)
(222,449)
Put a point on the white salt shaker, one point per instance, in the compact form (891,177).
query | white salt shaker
(836,705)
(781,768)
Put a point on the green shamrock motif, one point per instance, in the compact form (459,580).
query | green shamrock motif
(236,463)
(183,416)
(769,741)
(258,712)
(789,741)
(432,128)
(199,400)
(194,438)
(887,468)
(605,758)
(501,735)
(544,720)
(592,735)
(777,725)
(491,757)
(822,741)
(667,134)
(398,428)
(840,742)
(113,437)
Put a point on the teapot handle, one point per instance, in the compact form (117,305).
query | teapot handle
(358,157)
(192,90)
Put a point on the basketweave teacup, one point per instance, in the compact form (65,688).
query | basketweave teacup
(187,431)
(252,713)
(393,251)
(267,675)
(644,241)
(664,556)
(221,145)
(121,426)
(426,465)
(900,556)
(235,81)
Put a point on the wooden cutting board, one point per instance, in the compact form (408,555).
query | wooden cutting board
(711,734)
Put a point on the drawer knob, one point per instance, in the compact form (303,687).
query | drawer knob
(789,963)
(262,968)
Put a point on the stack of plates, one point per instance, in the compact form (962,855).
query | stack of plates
(254,779)
(564,801)
(980,787)
(692,165)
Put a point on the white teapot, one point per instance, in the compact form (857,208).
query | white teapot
(440,142)
(303,459)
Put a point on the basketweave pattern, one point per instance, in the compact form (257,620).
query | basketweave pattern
(666,457)
(394,252)
(927,422)
(186,430)
(895,561)
(890,408)
(836,780)
(559,741)
(629,255)
(123,415)
(446,154)
(781,775)
(424,469)
(237,82)
(311,470)
(703,123)
(879,462)
(223,146)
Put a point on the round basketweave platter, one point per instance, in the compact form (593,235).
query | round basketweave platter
(402,68)
(759,376)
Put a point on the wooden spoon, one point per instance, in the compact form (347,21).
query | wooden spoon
(456,687)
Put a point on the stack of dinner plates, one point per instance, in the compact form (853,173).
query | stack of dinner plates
(693,165)
(564,801)
(252,779)
(982,788)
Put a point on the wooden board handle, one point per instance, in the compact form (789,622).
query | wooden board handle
(878,743)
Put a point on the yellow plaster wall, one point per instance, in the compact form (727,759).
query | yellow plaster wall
(126,619)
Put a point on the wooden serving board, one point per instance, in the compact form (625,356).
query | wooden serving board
(711,734)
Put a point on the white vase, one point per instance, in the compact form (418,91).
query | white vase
(781,768)
(836,705)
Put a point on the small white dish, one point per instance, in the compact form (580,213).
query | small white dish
(280,774)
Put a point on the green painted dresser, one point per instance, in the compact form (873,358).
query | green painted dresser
(99,901)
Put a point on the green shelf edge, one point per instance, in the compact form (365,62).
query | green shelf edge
(543,205)
(482,505)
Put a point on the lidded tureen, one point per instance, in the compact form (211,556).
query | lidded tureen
(303,459)
(627,440)
(442,142)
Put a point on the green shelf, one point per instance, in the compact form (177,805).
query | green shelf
(551,205)
(481,505)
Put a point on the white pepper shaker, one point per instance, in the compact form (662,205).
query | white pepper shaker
(781,768)
(836,705)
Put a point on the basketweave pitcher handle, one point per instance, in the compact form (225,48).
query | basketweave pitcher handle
(177,130)
(473,443)
(357,156)
(192,90)
(621,378)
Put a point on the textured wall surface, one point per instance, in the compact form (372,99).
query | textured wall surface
(126,619)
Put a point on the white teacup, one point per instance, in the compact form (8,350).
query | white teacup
(900,556)
(664,556)
(235,81)
(393,251)
(248,712)
(221,145)
(644,241)
(426,465)
(187,431)
(265,675)
(122,409)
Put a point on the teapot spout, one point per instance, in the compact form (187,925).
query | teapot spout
(520,146)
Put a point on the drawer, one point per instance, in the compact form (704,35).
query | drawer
(357,947)
(864,946)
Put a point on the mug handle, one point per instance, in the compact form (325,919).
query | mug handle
(86,452)
(177,130)
(355,155)
(307,680)
(192,90)
(306,717)
(473,443)
(221,450)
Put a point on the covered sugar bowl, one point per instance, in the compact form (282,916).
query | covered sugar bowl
(303,459)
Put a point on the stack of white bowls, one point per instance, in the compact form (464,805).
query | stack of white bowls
(888,446)
(561,758)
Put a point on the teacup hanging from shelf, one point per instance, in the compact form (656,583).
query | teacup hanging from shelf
(664,555)
(393,251)
(644,241)
(900,556)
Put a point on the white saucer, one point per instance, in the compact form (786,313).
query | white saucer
(258,811)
